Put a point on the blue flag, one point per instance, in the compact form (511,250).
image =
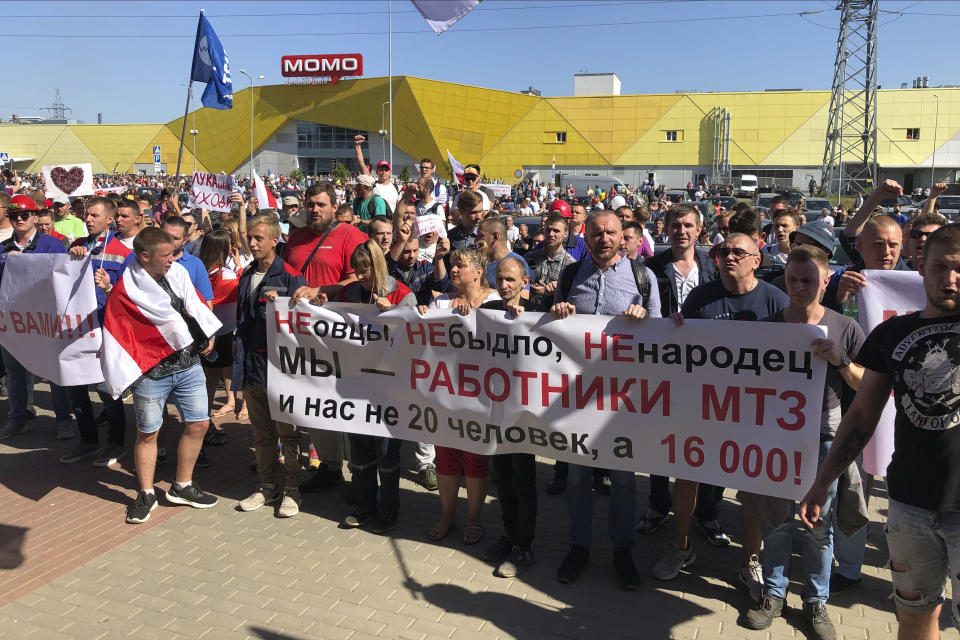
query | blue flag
(211,65)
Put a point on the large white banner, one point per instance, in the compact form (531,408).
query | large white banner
(68,180)
(48,317)
(887,294)
(730,403)
(211,191)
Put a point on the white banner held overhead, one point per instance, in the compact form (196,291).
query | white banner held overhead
(887,294)
(48,317)
(211,191)
(68,180)
(422,225)
(701,401)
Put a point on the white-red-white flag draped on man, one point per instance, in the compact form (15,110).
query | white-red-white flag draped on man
(141,327)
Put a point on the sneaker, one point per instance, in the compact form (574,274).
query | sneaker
(139,511)
(573,564)
(192,496)
(80,451)
(673,561)
(840,583)
(290,504)
(260,497)
(12,429)
(627,575)
(161,455)
(386,523)
(203,460)
(518,561)
(762,613)
(499,550)
(65,429)
(323,478)
(357,519)
(428,478)
(815,614)
(109,454)
(714,534)
(314,458)
(751,575)
(651,521)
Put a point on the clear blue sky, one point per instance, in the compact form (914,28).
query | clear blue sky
(504,44)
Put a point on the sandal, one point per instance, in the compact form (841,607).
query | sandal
(472,534)
(215,437)
(440,530)
(222,411)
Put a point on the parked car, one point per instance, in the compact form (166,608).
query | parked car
(817,204)
(677,195)
(748,186)
(890,204)
(727,202)
(763,200)
(948,206)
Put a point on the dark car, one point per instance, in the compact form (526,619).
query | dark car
(532,222)
(817,205)
(889,205)
(792,195)
(726,202)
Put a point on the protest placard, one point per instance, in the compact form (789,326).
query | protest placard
(211,191)
(887,294)
(48,317)
(64,181)
(702,401)
(422,225)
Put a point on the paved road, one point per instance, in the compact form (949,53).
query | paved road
(70,567)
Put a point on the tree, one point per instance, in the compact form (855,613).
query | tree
(297,174)
(341,173)
(404,175)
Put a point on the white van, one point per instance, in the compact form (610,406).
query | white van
(748,186)
(582,183)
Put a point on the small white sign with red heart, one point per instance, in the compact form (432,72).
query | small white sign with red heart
(68,180)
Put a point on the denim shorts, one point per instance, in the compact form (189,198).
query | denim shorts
(187,389)
(928,544)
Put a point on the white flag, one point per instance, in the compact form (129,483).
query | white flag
(443,14)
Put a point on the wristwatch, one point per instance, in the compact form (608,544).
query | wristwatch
(844,361)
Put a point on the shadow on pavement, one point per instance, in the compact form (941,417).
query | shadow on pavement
(11,544)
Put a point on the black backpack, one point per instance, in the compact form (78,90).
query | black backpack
(565,283)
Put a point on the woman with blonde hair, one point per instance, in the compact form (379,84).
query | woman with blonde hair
(370,455)
(467,267)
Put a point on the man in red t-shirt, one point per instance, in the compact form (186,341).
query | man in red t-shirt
(321,252)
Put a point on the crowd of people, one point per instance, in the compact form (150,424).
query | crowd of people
(633,259)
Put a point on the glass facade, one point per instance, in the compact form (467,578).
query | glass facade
(320,147)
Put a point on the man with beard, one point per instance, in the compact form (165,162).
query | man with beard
(321,252)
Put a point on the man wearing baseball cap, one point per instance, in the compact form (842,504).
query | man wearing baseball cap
(384,186)
(292,214)
(369,204)
(66,223)
(471,178)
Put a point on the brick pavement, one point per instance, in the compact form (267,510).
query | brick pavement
(219,573)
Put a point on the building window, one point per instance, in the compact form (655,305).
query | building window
(561,136)
(672,136)
(913,134)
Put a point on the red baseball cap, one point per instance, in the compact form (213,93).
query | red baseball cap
(383,163)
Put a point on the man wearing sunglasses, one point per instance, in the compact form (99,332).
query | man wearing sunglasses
(920,229)
(471,179)
(22,213)
(737,295)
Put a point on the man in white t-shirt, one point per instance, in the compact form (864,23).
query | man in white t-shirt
(384,186)
(471,178)
(428,170)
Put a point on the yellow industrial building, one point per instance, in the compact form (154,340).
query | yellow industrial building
(778,135)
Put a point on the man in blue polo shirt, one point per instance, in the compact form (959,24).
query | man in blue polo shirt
(177,227)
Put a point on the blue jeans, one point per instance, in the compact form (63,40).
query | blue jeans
(925,547)
(188,389)
(622,517)
(20,391)
(817,552)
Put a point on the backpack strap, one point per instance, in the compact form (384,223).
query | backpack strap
(565,283)
(641,278)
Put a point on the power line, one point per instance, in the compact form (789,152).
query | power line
(416,31)
(537,7)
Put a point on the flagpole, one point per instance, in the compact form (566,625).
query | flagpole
(390,73)
(186,109)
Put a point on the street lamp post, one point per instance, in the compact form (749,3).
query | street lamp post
(936,122)
(250,78)
(383,133)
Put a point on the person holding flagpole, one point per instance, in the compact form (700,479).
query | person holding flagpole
(155,326)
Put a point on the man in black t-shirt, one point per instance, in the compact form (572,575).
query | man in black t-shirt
(918,357)
(737,295)
(516,473)
(806,276)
